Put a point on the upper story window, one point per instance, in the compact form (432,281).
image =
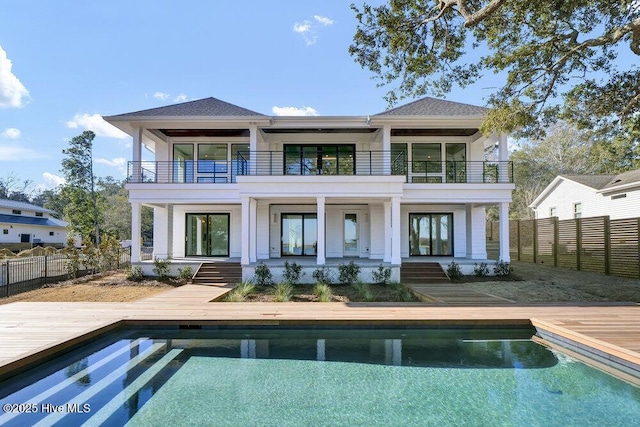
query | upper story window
(553,211)
(39,214)
(5,231)
(16,212)
(577,210)
(619,196)
(319,160)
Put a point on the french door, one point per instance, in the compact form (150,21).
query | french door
(351,235)
(207,234)
(431,234)
(299,234)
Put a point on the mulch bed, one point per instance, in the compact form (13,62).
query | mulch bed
(341,293)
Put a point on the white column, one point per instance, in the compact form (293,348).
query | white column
(135,232)
(387,232)
(504,232)
(386,150)
(469,225)
(321,226)
(253,230)
(136,169)
(244,242)
(160,233)
(395,231)
(253,149)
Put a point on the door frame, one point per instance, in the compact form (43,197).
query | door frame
(430,215)
(186,243)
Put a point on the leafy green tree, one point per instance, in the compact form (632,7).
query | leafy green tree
(547,49)
(82,202)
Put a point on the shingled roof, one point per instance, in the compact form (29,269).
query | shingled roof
(597,182)
(198,108)
(434,107)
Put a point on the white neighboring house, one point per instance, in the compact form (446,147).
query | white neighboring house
(407,184)
(582,196)
(23,225)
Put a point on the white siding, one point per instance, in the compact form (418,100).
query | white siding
(567,193)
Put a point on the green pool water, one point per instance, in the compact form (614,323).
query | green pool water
(315,377)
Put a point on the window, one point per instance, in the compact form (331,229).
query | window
(577,210)
(319,160)
(5,231)
(38,213)
(299,234)
(183,163)
(619,196)
(426,158)
(456,162)
(51,233)
(16,212)
(553,211)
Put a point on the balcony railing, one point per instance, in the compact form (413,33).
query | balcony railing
(359,163)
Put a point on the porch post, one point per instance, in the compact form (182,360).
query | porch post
(387,232)
(135,232)
(504,232)
(161,231)
(386,150)
(395,230)
(469,224)
(136,169)
(253,233)
(253,149)
(244,242)
(321,227)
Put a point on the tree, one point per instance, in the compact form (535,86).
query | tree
(548,49)
(81,200)
(13,188)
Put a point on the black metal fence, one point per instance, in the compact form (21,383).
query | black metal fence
(19,275)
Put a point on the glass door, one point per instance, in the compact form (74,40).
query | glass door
(299,234)
(207,235)
(351,234)
(431,234)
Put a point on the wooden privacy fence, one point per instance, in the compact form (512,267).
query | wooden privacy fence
(597,244)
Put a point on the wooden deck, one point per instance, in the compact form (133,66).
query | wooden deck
(31,330)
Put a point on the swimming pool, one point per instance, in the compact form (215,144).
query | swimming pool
(274,376)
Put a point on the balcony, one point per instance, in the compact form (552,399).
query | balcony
(356,163)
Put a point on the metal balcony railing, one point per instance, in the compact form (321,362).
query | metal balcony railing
(358,163)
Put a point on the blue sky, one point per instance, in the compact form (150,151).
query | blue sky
(63,64)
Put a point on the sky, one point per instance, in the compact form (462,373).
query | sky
(64,64)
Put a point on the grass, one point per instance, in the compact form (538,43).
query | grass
(364,291)
(241,292)
(323,292)
(283,292)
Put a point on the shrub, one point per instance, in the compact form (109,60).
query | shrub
(481,270)
(382,276)
(453,270)
(401,293)
(134,273)
(283,292)
(185,274)
(109,252)
(161,267)
(240,292)
(90,255)
(323,275)
(234,296)
(262,275)
(364,291)
(502,268)
(323,292)
(72,263)
(292,272)
(348,273)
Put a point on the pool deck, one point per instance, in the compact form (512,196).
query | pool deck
(32,330)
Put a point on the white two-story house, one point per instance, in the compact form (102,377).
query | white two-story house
(407,184)
(24,225)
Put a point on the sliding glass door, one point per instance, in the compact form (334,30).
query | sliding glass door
(299,234)
(431,234)
(207,235)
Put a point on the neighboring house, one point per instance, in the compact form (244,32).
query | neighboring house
(410,183)
(24,225)
(582,196)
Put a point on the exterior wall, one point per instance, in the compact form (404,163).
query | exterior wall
(566,193)
(38,234)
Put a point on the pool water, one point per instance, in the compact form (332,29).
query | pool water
(315,377)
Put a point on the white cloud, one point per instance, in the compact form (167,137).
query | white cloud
(11,133)
(13,153)
(12,91)
(181,98)
(161,96)
(305,27)
(309,29)
(323,20)
(96,124)
(52,180)
(120,163)
(294,111)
